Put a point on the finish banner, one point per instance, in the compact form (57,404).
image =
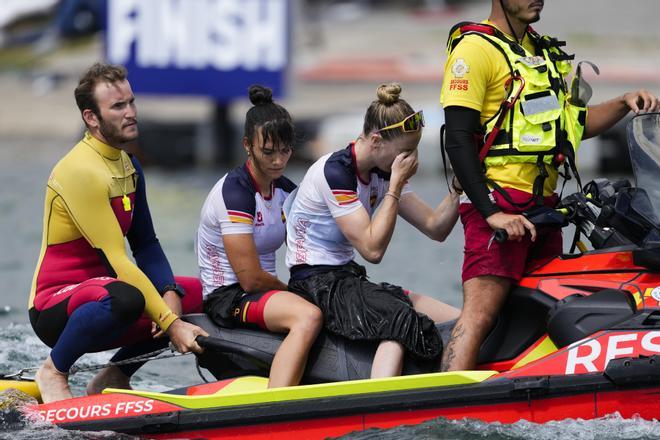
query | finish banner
(215,48)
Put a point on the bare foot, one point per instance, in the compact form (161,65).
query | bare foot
(109,377)
(53,384)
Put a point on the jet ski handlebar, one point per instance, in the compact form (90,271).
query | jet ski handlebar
(540,216)
(595,212)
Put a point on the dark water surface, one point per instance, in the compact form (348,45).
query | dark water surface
(412,261)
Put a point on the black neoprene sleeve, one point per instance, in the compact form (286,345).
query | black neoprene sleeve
(461,123)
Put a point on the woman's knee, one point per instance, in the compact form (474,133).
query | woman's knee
(309,320)
(287,312)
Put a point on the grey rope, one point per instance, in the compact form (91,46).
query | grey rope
(154,355)
(199,371)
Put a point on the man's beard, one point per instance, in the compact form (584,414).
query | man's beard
(513,12)
(113,135)
(534,19)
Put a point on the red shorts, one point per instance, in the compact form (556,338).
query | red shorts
(510,258)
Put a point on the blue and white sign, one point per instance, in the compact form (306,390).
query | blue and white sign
(214,48)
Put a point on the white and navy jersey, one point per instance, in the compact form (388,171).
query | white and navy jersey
(331,188)
(236,206)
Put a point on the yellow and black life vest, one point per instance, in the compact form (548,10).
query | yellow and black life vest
(542,127)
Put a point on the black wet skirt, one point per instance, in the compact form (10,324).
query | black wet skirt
(220,305)
(358,309)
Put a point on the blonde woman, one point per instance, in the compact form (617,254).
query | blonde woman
(349,200)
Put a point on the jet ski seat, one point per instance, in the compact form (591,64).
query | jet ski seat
(576,316)
(521,321)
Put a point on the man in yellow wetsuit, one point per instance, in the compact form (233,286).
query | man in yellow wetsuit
(87,294)
(505,89)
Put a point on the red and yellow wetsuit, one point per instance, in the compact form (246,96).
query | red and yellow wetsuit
(94,198)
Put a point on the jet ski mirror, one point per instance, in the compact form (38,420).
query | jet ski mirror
(604,190)
(581,90)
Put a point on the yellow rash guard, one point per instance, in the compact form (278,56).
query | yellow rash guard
(94,198)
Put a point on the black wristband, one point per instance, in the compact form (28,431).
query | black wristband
(176,288)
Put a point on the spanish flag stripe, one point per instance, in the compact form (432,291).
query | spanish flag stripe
(240,214)
(245,310)
(235,219)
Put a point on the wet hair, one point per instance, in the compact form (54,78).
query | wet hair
(388,109)
(97,73)
(274,120)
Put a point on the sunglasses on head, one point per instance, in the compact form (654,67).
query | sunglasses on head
(410,123)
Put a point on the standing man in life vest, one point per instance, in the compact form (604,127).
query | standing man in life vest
(87,294)
(512,121)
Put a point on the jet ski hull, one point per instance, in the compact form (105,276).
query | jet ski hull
(243,408)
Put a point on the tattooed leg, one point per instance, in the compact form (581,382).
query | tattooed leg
(482,299)
(449,352)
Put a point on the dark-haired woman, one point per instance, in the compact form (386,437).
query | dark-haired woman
(334,214)
(241,227)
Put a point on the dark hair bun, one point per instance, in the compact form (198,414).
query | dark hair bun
(260,95)
(388,93)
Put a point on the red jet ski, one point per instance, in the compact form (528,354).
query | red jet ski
(578,337)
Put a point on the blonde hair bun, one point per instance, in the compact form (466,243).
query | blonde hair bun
(388,94)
